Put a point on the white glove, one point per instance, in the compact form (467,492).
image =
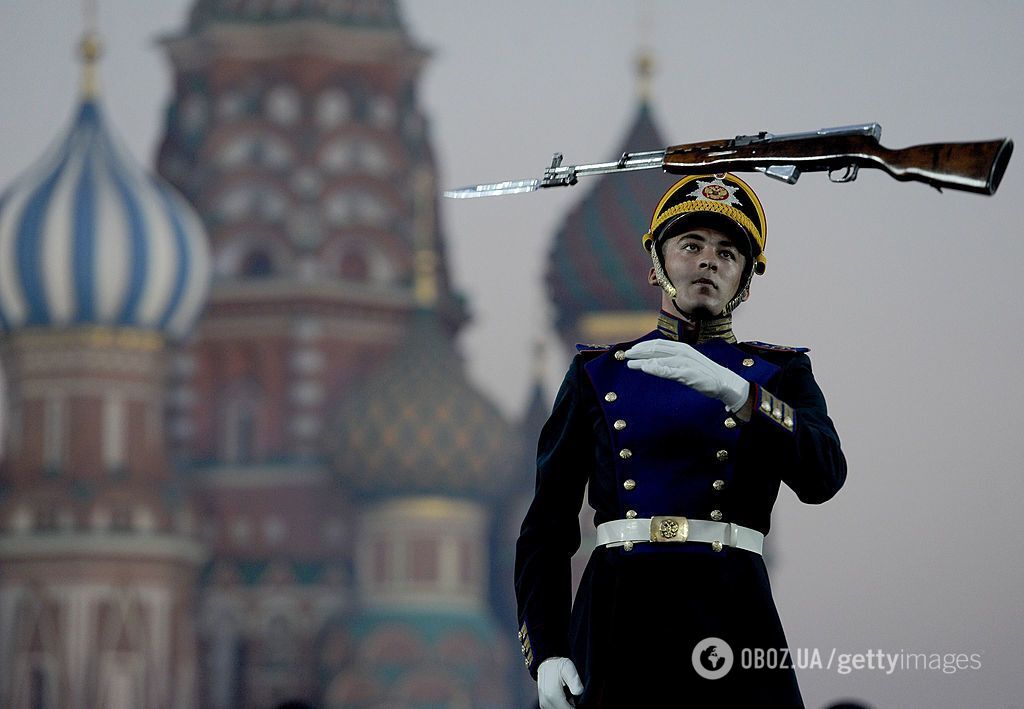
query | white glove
(682,363)
(553,674)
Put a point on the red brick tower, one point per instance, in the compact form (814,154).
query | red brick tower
(296,133)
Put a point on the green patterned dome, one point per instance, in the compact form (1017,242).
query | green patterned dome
(417,426)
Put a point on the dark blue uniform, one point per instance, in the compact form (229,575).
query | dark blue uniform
(651,446)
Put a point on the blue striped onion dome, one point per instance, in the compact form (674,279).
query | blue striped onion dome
(89,238)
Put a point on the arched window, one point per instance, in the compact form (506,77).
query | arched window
(275,152)
(360,259)
(338,156)
(283,104)
(354,266)
(333,107)
(374,159)
(240,421)
(382,111)
(257,264)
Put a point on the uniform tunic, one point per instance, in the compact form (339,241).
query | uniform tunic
(650,446)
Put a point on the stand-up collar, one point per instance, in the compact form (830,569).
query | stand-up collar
(695,331)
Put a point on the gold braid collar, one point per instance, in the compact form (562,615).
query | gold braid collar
(695,331)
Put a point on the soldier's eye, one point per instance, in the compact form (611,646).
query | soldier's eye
(729,255)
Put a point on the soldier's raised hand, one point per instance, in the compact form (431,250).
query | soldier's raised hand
(682,363)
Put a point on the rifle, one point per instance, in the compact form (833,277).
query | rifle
(971,167)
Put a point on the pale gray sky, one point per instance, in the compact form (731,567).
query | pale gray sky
(909,299)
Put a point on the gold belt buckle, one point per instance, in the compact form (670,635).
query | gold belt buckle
(666,528)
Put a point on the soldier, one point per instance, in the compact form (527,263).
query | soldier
(684,436)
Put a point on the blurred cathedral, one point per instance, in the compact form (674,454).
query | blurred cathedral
(243,463)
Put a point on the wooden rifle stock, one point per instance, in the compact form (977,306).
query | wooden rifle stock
(972,167)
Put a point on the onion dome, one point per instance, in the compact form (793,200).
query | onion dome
(417,426)
(378,14)
(88,238)
(597,263)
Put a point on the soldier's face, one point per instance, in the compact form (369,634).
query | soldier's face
(705,265)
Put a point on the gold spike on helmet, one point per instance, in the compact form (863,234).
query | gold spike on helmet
(706,195)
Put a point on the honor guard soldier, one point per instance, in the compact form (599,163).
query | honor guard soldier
(684,436)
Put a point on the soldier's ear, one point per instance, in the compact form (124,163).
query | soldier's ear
(651,278)
(746,294)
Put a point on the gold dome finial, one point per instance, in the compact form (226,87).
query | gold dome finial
(644,72)
(645,26)
(89,49)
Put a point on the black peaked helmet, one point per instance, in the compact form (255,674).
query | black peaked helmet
(721,200)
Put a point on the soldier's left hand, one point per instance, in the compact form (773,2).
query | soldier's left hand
(682,363)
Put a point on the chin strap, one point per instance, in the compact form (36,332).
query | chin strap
(663,281)
(741,295)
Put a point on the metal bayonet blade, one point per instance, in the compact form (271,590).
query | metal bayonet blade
(493,189)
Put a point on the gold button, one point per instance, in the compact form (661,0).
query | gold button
(628,546)
(527,662)
(620,355)
(748,362)
(787,422)
(766,407)
(716,515)
(611,396)
(619,425)
(716,545)
(777,413)
(722,455)
(625,454)
(630,514)
(730,422)
(522,636)
(629,484)
(718,484)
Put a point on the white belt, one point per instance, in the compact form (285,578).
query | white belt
(676,530)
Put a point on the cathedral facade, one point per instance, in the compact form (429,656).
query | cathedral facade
(244,465)
(290,497)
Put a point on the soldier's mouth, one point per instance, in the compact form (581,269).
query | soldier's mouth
(706,282)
